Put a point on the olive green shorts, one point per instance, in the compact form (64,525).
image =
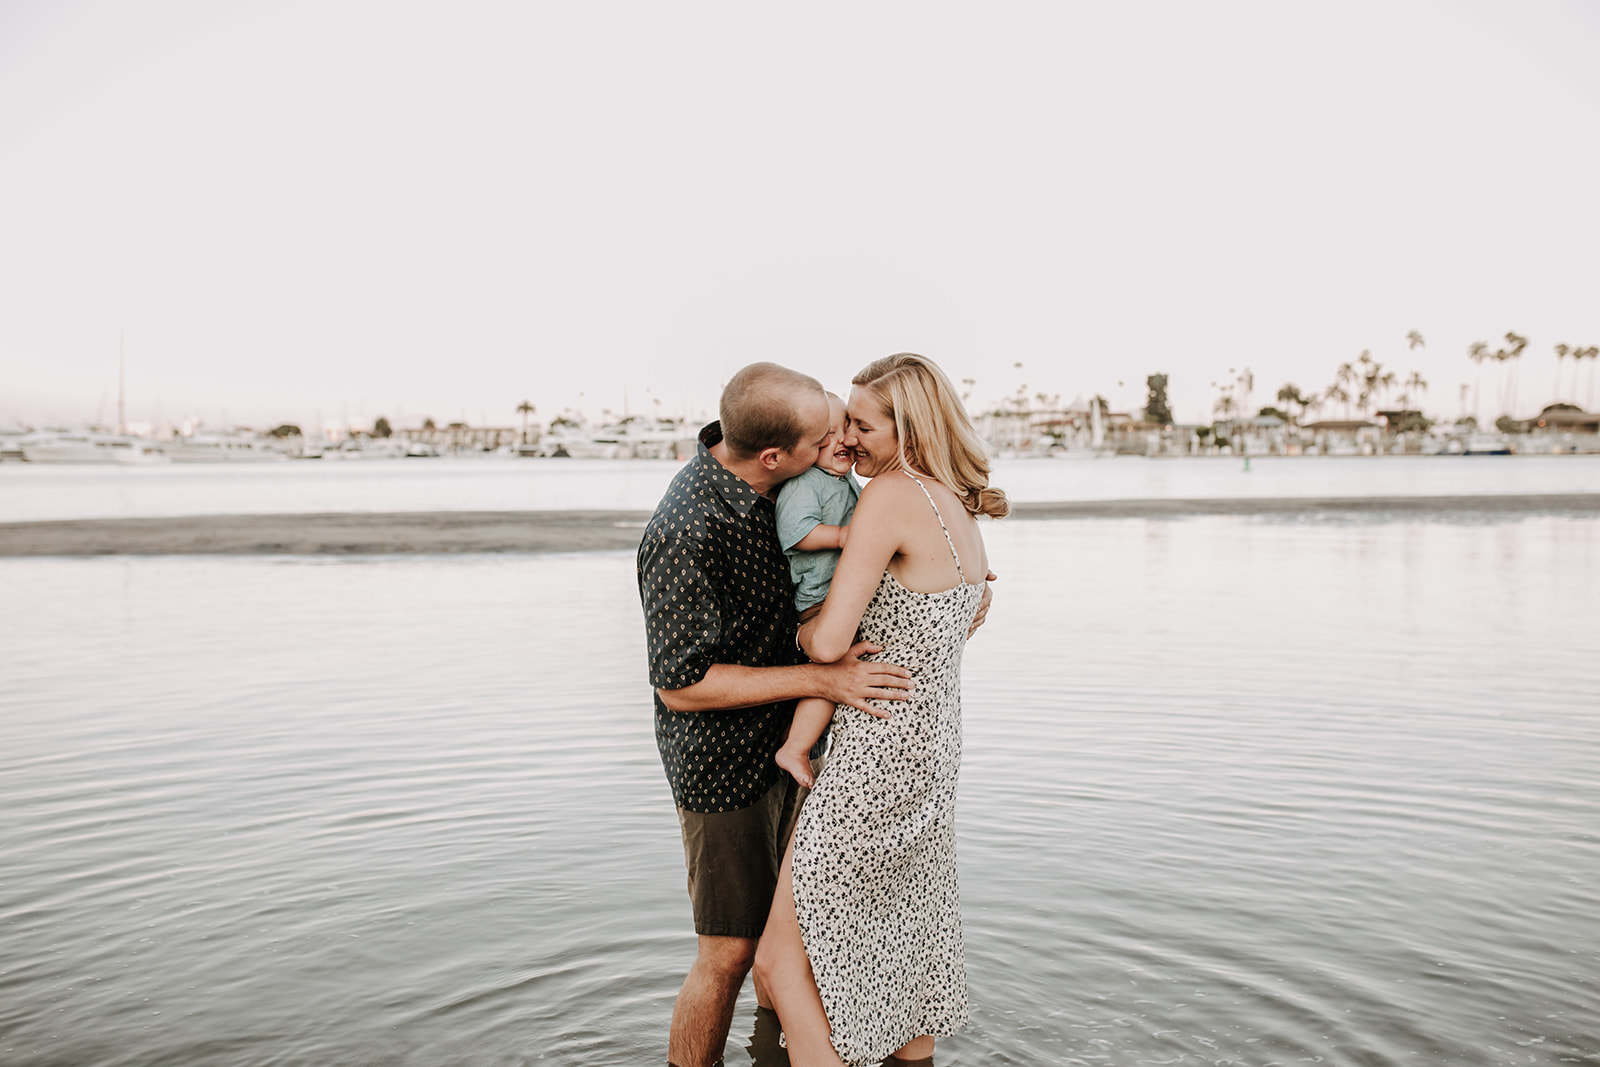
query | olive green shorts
(733,859)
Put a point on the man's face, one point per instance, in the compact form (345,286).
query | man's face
(833,456)
(813,412)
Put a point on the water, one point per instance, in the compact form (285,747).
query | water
(31,491)
(1236,791)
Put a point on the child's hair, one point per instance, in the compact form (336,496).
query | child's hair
(935,434)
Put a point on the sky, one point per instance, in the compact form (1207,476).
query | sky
(337,210)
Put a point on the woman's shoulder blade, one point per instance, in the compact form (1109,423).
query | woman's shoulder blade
(891,493)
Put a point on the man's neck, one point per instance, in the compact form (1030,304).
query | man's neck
(749,471)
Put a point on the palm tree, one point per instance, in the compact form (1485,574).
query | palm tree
(1373,380)
(1310,403)
(1592,353)
(1515,343)
(1500,356)
(1386,382)
(1578,356)
(1414,383)
(1477,351)
(1338,394)
(1374,383)
(1288,396)
(1225,405)
(525,409)
(1343,379)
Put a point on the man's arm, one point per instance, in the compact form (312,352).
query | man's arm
(852,680)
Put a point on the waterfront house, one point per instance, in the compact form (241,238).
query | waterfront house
(1258,436)
(1342,437)
(459,437)
(1560,428)
(1560,419)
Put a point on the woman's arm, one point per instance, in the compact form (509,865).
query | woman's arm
(876,534)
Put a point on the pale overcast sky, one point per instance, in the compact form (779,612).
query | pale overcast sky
(371,208)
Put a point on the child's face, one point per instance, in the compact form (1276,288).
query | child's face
(833,456)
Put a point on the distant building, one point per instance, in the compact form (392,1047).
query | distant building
(1342,437)
(1403,420)
(1558,428)
(1261,435)
(1560,419)
(459,437)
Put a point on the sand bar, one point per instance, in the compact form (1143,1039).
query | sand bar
(590,531)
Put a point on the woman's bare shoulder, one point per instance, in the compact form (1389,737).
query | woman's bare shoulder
(892,489)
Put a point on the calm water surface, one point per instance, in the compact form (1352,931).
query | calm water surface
(33,491)
(1236,791)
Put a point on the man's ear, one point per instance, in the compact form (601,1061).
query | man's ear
(769,458)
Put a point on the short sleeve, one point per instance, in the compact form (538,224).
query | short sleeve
(799,510)
(682,614)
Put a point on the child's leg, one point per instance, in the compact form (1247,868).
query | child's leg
(811,716)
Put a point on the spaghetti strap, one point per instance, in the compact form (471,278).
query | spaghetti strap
(954,554)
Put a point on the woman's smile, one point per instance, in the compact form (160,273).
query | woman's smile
(870,435)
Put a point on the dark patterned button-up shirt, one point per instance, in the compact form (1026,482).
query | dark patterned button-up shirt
(715,588)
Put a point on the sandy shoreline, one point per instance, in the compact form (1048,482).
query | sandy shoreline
(591,531)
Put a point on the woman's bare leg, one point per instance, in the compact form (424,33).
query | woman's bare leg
(918,1048)
(782,967)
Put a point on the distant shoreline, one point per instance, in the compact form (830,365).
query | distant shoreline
(453,532)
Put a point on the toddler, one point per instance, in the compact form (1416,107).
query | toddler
(812,514)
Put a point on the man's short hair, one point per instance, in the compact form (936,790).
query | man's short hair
(759,409)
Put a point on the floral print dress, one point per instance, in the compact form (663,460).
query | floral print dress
(874,850)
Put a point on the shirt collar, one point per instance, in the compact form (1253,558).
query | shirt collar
(732,488)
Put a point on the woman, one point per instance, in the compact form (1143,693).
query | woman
(862,954)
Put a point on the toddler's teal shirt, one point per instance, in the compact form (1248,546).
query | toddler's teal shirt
(814,498)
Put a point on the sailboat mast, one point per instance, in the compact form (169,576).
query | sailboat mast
(122,392)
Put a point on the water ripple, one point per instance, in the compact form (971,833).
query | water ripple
(1215,807)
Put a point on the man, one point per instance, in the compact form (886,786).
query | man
(720,626)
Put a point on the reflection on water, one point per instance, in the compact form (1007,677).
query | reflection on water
(1235,791)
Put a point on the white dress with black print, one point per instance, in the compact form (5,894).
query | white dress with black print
(875,850)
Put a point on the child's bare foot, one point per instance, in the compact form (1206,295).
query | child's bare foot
(798,763)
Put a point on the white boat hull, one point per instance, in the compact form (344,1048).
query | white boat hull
(179,452)
(128,451)
(67,452)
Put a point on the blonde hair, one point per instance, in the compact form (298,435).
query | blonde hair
(934,432)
